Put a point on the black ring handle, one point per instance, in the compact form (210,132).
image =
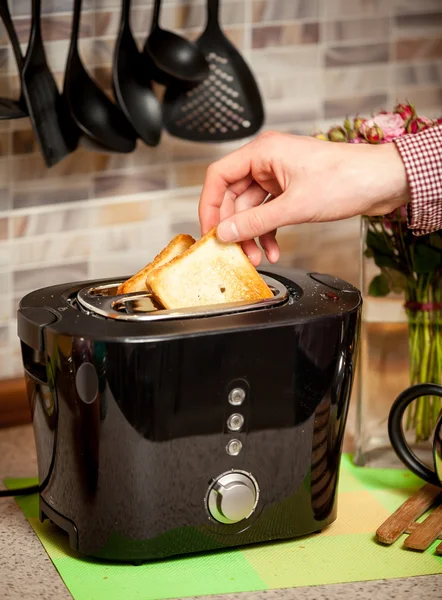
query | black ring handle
(397,435)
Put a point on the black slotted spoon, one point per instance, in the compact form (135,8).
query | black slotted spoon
(227,104)
(55,132)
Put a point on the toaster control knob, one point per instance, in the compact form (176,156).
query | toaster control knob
(232,497)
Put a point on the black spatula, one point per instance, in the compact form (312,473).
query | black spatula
(53,127)
(12,109)
(227,104)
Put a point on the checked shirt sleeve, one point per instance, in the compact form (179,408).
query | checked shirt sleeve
(422,157)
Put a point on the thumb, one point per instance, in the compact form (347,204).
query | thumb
(253,223)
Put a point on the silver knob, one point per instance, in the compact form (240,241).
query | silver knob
(237,396)
(232,497)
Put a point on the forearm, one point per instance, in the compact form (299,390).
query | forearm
(421,154)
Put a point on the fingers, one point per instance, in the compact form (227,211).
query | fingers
(270,246)
(247,198)
(253,196)
(235,168)
(254,222)
(253,252)
(227,208)
(245,189)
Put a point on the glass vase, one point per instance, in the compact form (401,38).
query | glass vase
(401,343)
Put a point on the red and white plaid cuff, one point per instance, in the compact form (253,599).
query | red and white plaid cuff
(422,157)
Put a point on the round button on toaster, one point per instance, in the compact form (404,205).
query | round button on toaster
(235,422)
(232,497)
(237,396)
(234,447)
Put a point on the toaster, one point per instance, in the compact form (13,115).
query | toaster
(168,432)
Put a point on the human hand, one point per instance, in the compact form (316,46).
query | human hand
(308,180)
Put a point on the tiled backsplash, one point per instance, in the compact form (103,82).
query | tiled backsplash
(97,215)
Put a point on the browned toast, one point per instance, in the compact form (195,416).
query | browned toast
(137,283)
(208,272)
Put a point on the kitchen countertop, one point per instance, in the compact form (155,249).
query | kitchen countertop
(27,572)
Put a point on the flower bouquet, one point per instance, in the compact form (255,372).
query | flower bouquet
(407,265)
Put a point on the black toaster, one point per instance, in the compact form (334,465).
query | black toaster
(161,432)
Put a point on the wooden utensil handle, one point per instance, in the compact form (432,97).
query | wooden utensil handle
(405,515)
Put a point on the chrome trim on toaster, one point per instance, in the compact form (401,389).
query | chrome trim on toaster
(103,300)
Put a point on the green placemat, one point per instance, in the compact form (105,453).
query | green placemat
(344,552)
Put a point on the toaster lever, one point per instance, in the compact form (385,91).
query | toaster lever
(31,322)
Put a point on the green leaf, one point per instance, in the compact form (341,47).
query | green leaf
(435,239)
(378,243)
(379,286)
(385,261)
(368,253)
(426,259)
(398,282)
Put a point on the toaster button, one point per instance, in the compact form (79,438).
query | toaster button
(234,447)
(232,498)
(235,422)
(237,396)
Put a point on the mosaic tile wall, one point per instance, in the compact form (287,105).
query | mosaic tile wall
(97,215)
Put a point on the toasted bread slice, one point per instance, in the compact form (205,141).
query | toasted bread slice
(209,272)
(137,283)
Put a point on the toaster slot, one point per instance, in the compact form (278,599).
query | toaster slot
(104,301)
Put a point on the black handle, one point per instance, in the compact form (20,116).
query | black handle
(397,435)
(212,14)
(156,15)
(125,11)
(36,18)
(9,25)
(76,23)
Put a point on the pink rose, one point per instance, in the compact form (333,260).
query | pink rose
(419,124)
(372,132)
(406,111)
(337,134)
(391,126)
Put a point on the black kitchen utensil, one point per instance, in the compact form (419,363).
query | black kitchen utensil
(227,104)
(102,124)
(12,109)
(55,132)
(132,83)
(174,55)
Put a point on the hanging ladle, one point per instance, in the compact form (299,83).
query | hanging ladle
(12,109)
(174,55)
(132,83)
(102,123)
